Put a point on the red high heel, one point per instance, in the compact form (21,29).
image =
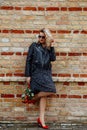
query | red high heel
(40,124)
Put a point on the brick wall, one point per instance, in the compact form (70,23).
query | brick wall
(20,22)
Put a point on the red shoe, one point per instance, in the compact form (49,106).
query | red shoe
(40,124)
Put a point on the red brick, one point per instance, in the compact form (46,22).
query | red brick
(81,83)
(74,54)
(7,53)
(53,31)
(63,96)
(41,8)
(5,31)
(84,32)
(19,74)
(18,53)
(7,7)
(75,31)
(28,31)
(21,82)
(52,9)
(64,75)
(63,8)
(75,9)
(57,95)
(75,75)
(30,8)
(83,75)
(85,9)
(54,74)
(6,83)
(84,54)
(36,31)
(63,54)
(9,74)
(84,96)
(17,31)
(2,75)
(18,95)
(7,95)
(57,53)
(63,31)
(25,53)
(74,96)
(66,83)
(17,8)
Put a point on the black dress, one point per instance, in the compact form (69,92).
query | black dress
(38,67)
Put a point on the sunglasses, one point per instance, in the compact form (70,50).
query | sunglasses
(43,37)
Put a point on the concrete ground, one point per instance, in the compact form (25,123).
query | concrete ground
(62,126)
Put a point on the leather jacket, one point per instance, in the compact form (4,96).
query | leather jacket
(38,58)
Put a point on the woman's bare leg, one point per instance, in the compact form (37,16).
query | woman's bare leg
(45,94)
(42,109)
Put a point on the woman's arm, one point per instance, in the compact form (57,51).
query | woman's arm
(29,61)
(52,51)
(52,54)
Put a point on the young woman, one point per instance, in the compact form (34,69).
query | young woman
(38,72)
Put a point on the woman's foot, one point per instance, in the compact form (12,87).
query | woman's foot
(42,125)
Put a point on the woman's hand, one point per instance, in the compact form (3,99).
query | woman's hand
(52,42)
(28,80)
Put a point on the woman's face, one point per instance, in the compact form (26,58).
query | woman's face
(42,38)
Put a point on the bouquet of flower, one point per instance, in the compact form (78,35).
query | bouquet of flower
(27,96)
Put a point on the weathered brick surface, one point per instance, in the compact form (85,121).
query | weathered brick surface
(20,22)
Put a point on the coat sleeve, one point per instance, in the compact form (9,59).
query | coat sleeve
(52,54)
(29,61)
